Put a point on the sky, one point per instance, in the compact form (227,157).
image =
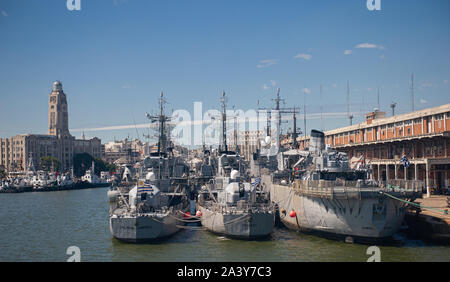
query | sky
(115,57)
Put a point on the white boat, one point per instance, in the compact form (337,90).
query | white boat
(91,179)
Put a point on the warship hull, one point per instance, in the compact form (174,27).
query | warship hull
(241,225)
(361,218)
(143,228)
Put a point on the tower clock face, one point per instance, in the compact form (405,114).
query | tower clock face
(52,99)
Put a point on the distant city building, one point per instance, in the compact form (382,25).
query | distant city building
(131,151)
(59,143)
(247,141)
(125,151)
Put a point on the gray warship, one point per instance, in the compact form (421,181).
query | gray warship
(317,191)
(230,204)
(155,207)
(320,191)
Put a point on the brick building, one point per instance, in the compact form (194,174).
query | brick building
(422,136)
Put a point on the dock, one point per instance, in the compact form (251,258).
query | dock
(431,223)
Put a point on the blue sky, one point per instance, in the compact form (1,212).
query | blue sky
(114,57)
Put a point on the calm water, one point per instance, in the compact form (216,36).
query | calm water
(41,226)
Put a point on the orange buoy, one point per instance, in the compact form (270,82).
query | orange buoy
(198,214)
(187,214)
(292,214)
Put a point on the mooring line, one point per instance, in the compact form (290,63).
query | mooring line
(444,212)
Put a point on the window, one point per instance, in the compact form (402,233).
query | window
(439,117)
(408,122)
(417,120)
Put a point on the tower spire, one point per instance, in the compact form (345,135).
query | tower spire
(350,116)
(412,92)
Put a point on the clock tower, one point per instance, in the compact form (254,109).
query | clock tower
(58,125)
(58,118)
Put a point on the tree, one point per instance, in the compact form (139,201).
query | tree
(2,172)
(111,167)
(83,162)
(49,163)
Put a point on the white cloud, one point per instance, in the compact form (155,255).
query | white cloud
(348,52)
(268,86)
(325,115)
(427,84)
(306,90)
(382,56)
(369,45)
(118,2)
(334,85)
(303,56)
(445,81)
(266,63)
(423,101)
(4,13)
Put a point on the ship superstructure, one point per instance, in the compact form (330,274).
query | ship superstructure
(231,204)
(154,208)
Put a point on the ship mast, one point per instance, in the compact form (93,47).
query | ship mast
(161,141)
(161,118)
(279,111)
(224,146)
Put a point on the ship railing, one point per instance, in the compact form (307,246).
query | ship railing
(315,188)
(401,185)
(356,189)
(255,207)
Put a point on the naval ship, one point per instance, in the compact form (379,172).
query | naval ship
(155,207)
(319,190)
(230,204)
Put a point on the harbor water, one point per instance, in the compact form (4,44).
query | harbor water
(40,226)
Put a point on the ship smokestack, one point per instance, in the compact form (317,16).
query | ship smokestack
(316,142)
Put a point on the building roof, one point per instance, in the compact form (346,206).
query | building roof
(397,118)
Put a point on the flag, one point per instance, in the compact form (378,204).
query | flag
(405,161)
(257,181)
(145,189)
